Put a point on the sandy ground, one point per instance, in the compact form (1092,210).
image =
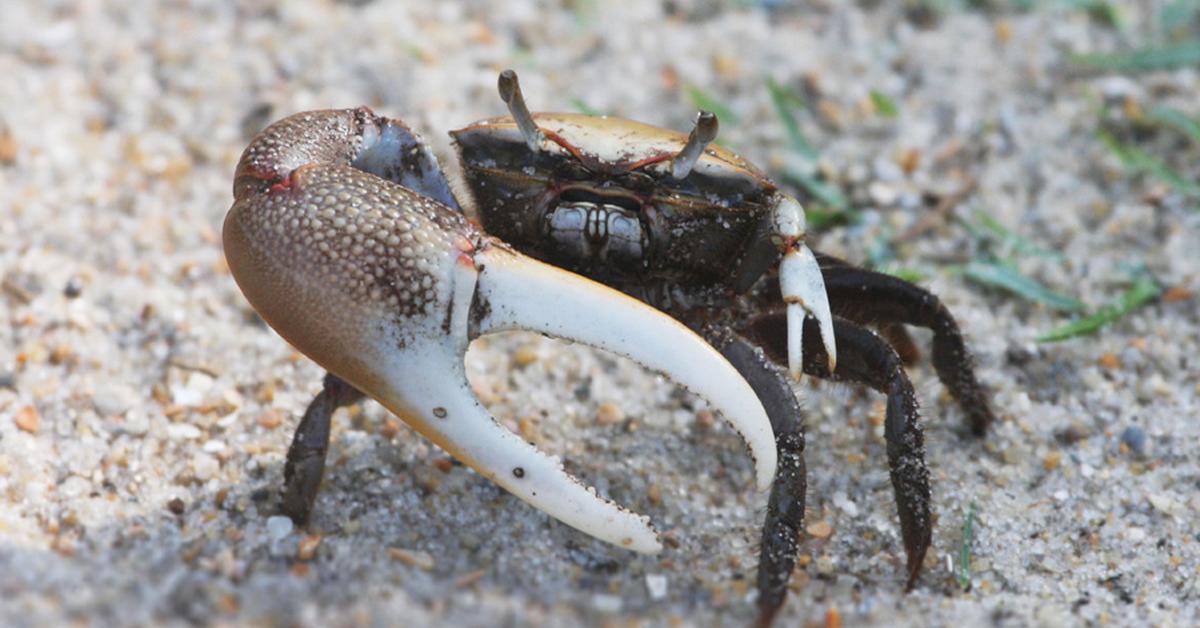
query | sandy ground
(145,412)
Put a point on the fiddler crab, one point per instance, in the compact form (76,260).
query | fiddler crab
(346,238)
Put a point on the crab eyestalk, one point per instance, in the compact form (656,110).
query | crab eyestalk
(703,133)
(802,285)
(510,93)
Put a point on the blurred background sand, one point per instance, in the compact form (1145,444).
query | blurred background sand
(145,411)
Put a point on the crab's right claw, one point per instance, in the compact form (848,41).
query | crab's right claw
(385,288)
(802,287)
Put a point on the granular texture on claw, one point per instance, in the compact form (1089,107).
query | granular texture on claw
(355,237)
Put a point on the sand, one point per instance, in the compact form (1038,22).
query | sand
(145,412)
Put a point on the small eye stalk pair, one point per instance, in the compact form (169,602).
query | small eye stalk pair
(346,238)
(701,136)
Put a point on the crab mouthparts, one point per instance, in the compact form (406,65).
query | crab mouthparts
(594,226)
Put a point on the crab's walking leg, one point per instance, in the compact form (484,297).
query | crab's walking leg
(874,298)
(306,457)
(897,335)
(865,358)
(785,507)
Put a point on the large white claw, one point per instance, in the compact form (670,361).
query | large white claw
(385,287)
(802,287)
(502,290)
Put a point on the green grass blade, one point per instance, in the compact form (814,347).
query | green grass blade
(964,550)
(821,216)
(584,108)
(836,206)
(786,103)
(1100,11)
(1143,291)
(987,227)
(884,105)
(824,192)
(997,275)
(911,275)
(1138,160)
(1163,58)
(1177,16)
(703,100)
(1177,120)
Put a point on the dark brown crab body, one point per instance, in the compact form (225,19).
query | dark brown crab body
(347,239)
(602,200)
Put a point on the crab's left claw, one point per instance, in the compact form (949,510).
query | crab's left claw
(802,286)
(385,287)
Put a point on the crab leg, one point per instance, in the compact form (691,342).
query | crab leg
(385,288)
(802,286)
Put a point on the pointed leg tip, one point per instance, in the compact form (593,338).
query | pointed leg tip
(915,562)
(767,613)
(980,421)
(912,580)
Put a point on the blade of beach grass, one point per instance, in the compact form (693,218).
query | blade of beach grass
(997,275)
(964,550)
(1143,291)
(1160,58)
(1177,120)
(885,106)
(987,227)
(584,108)
(1139,161)
(705,101)
(786,103)
(832,205)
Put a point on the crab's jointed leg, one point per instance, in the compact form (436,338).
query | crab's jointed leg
(785,505)
(867,359)
(306,456)
(873,298)
(385,287)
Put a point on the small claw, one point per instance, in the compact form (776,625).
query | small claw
(802,287)
(385,287)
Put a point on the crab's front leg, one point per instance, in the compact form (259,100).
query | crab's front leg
(343,238)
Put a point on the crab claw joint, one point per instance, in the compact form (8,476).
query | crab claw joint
(802,287)
(385,288)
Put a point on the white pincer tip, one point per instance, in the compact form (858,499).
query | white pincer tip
(803,290)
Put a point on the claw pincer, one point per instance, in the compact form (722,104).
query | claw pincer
(346,239)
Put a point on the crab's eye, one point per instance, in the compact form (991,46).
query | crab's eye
(572,170)
(636,181)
